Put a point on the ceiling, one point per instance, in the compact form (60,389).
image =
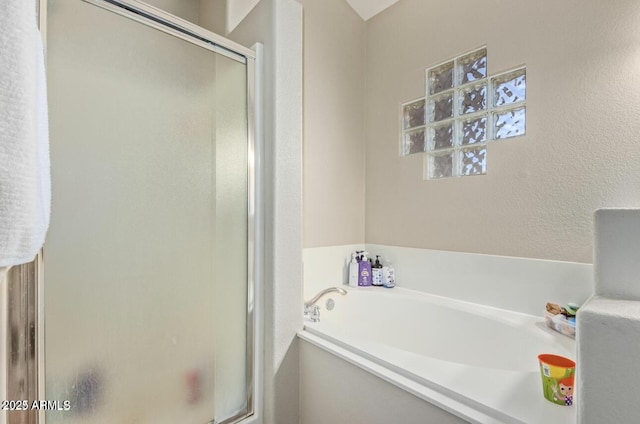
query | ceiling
(238,9)
(369,8)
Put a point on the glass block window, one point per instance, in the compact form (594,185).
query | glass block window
(414,121)
(509,110)
(463,110)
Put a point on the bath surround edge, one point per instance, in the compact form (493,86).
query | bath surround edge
(517,284)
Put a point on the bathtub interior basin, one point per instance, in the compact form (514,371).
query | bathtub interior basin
(442,328)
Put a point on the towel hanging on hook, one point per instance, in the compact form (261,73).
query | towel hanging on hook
(25,182)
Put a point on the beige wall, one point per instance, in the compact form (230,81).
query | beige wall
(334,150)
(237,10)
(185,9)
(209,14)
(581,149)
(212,15)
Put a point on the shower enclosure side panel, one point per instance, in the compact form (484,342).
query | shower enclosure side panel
(135,294)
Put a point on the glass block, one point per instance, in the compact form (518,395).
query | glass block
(509,88)
(472,67)
(473,131)
(413,114)
(509,123)
(441,136)
(440,166)
(473,99)
(441,107)
(440,78)
(413,142)
(473,161)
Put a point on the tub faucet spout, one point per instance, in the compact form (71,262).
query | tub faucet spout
(312,310)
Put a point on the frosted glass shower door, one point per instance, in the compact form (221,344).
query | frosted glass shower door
(145,265)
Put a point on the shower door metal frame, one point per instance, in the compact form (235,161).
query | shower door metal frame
(22,321)
(25,294)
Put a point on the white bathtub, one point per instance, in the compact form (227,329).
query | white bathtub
(476,362)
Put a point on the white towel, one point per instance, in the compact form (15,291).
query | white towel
(25,182)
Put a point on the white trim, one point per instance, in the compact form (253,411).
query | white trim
(259,280)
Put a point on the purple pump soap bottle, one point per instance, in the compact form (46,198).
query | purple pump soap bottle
(364,271)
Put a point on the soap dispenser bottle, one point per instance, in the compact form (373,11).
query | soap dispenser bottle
(388,276)
(364,275)
(354,270)
(376,273)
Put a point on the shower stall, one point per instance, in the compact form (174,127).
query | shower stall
(142,306)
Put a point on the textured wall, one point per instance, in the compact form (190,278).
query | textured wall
(334,149)
(608,322)
(580,152)
(607,363)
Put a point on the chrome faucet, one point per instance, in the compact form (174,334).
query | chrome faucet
(312,310)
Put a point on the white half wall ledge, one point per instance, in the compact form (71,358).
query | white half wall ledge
(517,284)
(607,361)
(617,253)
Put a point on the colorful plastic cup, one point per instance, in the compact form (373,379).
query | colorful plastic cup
(558,378)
